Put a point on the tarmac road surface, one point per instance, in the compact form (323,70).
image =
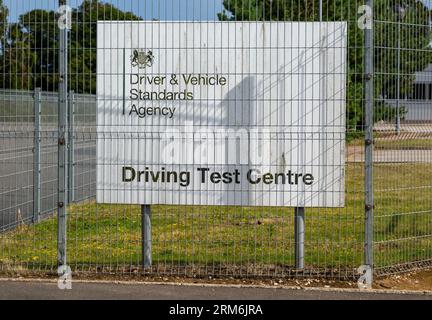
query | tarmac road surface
(45,290)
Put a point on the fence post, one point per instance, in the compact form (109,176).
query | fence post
(369,108)
(62,140)
(146,236)
(71,147)
(36,156)
(398,75)
(299,237)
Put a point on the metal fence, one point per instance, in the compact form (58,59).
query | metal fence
(386,222)
(402,166)
(29,154)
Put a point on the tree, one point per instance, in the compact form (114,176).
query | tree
(3,19)
(18,59)
(83,41)
(41,27)
(414,35)
(40,31)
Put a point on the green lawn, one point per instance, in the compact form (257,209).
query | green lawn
(242,237)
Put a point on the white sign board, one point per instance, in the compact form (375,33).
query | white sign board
(221,113)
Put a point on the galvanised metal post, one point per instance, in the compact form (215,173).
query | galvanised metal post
(398,76)
(36,155)
(400,12)
(299,236)
(146,236)
(368,118)
(71,147)
(62,140)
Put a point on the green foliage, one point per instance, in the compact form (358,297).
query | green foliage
(83,41)
(3,19)
(44,39)
(37,57)
(19,60)
(414,35)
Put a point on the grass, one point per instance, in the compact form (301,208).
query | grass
(109,236)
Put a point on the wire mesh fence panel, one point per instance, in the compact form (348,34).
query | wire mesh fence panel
(16,158)
(210,240)
(48,153)
(83,137)
(402,162)
(213,71)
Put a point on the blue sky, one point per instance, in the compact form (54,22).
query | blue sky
(149,9)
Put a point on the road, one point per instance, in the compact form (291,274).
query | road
(16,172)
(43,290)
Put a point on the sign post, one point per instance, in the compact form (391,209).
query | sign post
(37,156)
(146,236)
(299,231)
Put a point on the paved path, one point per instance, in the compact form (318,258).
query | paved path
(411,128)
(356,154)
(140,291)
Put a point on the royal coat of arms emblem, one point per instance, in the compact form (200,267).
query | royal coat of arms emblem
(142,59)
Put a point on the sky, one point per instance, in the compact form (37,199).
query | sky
(149,9)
